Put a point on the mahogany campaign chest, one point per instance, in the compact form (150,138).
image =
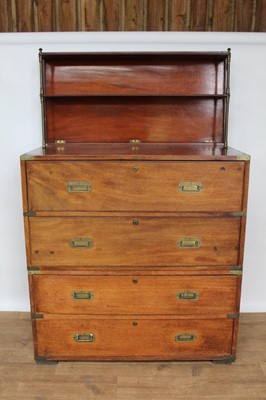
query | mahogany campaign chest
(135,209)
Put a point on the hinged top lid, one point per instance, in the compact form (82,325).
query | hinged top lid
(135,97)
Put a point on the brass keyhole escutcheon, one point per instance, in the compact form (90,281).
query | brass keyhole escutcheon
(135,323)
(135,280)
(135,221)
(135,168)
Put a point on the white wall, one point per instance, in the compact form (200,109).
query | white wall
(20,130)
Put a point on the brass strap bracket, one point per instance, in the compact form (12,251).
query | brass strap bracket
(26,157)
(43,360)
(225,360)
(233,316)
(243,157)
(34,271)
(240,214)
(236,271)
(37,316)
(29,214)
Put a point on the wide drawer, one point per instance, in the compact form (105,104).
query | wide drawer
(135,294)
(136,338)
(95,241)
(135,186)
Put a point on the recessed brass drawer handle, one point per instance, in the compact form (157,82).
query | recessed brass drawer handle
(185,337)
(187,295)
(190,187)
(82,295)
(85,337)
(188,243)
(81,242)
(78,186)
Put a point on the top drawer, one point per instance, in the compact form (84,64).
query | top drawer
(135,186)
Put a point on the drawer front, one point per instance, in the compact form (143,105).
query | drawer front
(133,338)
(138,186)
(110,241)
(134,295)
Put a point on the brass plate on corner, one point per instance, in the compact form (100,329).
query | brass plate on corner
(244,157)
(26,157)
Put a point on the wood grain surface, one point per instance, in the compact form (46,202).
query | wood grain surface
(136,295)
(132,15)
(119,241)
(133,339)
(135,186)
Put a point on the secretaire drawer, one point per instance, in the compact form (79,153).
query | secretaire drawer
(135,294)
(144,241)
(135,186)
(133,338)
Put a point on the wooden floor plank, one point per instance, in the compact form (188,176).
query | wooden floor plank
(135,369)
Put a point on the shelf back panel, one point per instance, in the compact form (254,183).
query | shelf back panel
(151,119)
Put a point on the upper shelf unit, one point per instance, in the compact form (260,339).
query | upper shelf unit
(179,97)
(151,74)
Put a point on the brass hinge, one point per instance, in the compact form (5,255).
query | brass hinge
(244,157)
(135,141)
(233,316)
(29,214)
(240,214)
(236,271)
(34,271)
(36,316)
(26,157)
(60,141)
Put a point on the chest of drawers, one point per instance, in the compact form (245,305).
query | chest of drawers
(135,209)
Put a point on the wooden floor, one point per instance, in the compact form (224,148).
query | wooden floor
(21,378)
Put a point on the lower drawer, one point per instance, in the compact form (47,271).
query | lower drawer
(134,294)
(136,339)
